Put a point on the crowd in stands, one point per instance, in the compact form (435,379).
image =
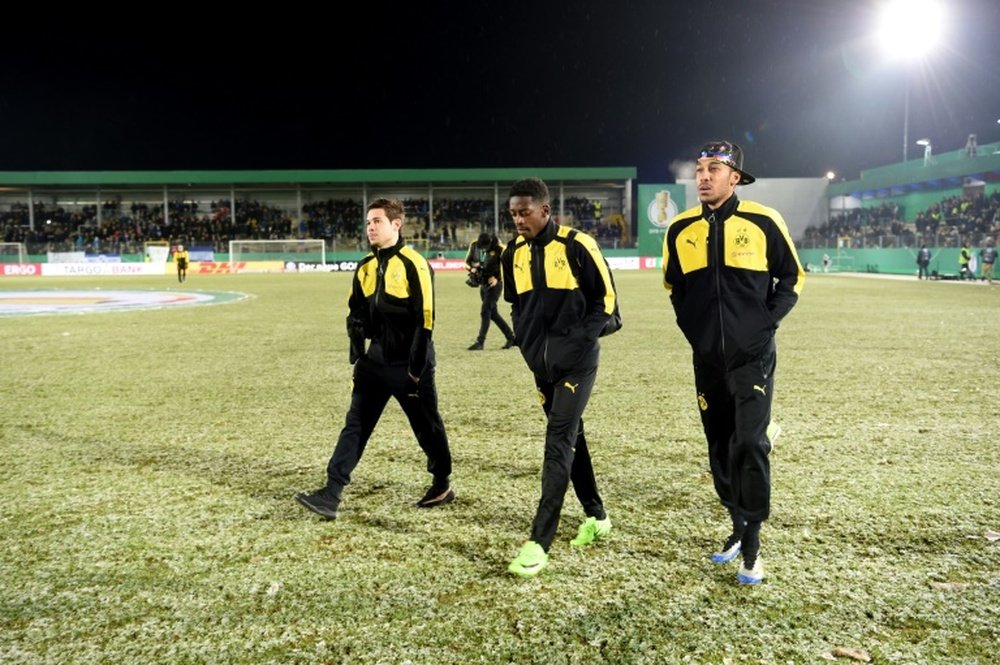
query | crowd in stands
(123,228)
(971,218)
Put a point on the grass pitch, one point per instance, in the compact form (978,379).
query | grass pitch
(150,459)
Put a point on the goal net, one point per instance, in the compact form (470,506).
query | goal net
(13,252)
(156,251)
(242,253)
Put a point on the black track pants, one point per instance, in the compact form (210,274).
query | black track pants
(489,312)
(374,384)
(566,455)
(735,410)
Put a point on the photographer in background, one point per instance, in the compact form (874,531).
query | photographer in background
(483,261)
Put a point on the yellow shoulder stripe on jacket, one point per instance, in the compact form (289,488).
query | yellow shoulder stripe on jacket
(779,221)
(367,275)
(425,285)
(688,215)
(594,249)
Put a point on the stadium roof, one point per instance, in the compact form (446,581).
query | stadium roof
(944,170)
(287,178)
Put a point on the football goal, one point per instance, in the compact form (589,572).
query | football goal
(13,252)
(241,252)
(156,251)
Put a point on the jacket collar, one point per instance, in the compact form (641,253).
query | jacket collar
(724,211)
(386,253)
(546,234)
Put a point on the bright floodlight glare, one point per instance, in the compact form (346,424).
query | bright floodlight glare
(924,142)
(909,29)
(830,175)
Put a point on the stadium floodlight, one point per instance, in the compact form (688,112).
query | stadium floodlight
(927,149)
(830,175)
(908,31)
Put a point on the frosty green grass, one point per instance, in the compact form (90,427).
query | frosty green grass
(150,459)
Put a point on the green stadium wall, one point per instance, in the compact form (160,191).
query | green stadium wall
(894,261)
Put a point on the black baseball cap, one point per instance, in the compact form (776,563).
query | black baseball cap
(729,154)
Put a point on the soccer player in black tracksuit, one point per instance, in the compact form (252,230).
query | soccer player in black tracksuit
(733,274)
(562,296)
(391,303)
(483,260)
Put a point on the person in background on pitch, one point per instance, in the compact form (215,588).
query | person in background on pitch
(181,259)
(562,298)
(987,257)
(965,270)
(483,262)
(392,304)
(923,262)
(733,274)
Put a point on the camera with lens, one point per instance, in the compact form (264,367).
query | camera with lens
(475,278)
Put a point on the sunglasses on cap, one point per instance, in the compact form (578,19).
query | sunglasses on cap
(729,154)
(723,152)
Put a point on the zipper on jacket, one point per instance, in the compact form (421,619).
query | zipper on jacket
(715,226)
(537,262)
(380,276)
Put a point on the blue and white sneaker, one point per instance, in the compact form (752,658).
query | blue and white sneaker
(752,575)
(730,550)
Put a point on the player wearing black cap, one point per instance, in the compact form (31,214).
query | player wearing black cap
(733,274)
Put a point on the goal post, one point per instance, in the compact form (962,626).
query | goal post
(156,251)
(13,252)
(294,249)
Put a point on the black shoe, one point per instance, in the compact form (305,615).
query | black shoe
(510,344)
(437,496)
(476,346)
(322,502)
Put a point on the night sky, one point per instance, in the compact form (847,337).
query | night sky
(799,83)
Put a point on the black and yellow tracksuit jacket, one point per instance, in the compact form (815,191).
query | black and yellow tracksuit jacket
(732,274)
(561,295)
(392,303)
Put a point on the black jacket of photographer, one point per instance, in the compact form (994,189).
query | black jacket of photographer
(486,260)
